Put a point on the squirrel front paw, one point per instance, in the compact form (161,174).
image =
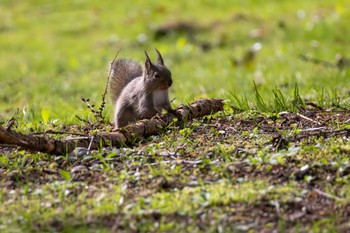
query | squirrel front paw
(175,113)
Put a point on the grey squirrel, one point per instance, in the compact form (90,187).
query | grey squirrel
(139,93)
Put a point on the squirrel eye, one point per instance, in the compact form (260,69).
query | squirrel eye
(156,75)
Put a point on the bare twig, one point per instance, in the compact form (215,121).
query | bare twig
(106,88)
(90,106)
(191,162)
(327,195)
(312,129)
(308,119)
(82,120)
(90,145)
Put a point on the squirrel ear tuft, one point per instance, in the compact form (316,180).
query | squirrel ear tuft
(148,62)
(147,58)
(159,59)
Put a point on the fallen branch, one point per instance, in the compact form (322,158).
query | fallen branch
(131,133)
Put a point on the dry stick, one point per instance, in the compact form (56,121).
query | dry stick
(190,162)
(82,120)
(100,110)
(90,106)
(308,119)
(327,195)
(106,88)
(312,129)
(91,141)
(129,134)
(97,114)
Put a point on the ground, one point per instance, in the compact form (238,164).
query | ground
(284,172)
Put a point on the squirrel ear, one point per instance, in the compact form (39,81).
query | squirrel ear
(159,59)
(148,62)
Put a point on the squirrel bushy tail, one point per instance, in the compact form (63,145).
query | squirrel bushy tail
(123,71)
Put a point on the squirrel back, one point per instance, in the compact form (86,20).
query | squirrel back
(123,71)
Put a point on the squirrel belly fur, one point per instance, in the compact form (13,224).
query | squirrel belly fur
(139,92)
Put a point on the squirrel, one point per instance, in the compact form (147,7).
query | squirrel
(139,92)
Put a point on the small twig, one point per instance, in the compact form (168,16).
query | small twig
(327,195)
(90,106)
(78,138)
(308,119)
(91,141)
(106,88)
(97,114)
(82,120)
(312,129)
(196,162)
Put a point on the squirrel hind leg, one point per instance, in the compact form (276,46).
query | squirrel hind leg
(121,123)
(123,118)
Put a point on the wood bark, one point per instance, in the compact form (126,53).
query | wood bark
(121,137)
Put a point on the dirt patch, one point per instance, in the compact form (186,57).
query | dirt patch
(205,152)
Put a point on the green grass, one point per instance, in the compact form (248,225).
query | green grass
(222,173)
(56,52)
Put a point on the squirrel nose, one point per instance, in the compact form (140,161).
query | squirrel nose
(170,82)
